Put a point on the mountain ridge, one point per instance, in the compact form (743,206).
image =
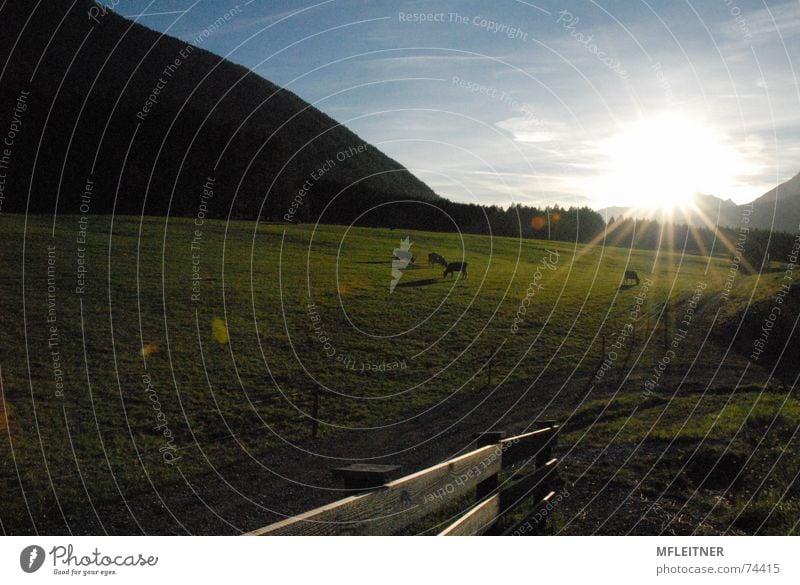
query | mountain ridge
(148,118)
(777,209)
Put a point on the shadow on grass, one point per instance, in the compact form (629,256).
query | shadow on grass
(422,282)
(389,262)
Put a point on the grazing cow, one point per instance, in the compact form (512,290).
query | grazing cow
(455,267)
(632,276)
(434,259)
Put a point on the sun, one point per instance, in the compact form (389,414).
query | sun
(659,163)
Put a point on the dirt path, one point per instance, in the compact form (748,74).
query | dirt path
(292,479)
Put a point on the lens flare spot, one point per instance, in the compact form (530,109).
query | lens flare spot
(538,222)
(220,330)
(151,348)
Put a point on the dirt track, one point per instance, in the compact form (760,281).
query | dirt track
(293,479)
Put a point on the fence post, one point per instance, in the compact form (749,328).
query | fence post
(490,484)
(597,368)
(546,452)
(315,412)
(365,476)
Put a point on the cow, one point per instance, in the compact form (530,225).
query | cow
(631,275)
(455,267)
(434,259)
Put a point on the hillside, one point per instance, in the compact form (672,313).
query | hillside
(779,207)
(788,190)
(149,119)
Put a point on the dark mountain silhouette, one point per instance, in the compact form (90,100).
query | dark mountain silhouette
(75,93)
(777,210)
(789,189)
(703,206)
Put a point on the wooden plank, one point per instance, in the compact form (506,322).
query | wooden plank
(477,521)
(537,444)
(399,503)
(533,485)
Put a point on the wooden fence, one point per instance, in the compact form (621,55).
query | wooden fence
(492,489)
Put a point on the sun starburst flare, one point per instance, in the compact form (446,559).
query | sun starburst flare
(658,164)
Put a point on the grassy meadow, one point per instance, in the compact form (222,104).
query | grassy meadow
(191,347)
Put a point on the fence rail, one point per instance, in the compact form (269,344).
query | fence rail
(501,477)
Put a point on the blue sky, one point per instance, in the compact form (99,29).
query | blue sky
(502,101)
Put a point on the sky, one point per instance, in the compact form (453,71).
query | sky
(510,101)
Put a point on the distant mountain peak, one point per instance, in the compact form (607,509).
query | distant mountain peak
(790,188)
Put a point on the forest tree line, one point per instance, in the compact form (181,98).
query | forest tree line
(569,224)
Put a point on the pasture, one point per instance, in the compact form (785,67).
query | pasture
(142,354)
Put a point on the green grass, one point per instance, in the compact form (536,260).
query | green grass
(734,455)
(230,391)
